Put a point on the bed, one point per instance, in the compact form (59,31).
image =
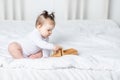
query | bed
(97,42)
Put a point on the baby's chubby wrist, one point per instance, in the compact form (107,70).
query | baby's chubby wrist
(56,47)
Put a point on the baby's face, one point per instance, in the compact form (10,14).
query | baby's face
(46,29)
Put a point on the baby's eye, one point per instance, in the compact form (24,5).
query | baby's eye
(49,30)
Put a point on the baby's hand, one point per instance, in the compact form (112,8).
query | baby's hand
(56,48)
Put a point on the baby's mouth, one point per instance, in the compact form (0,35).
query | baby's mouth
(49,34)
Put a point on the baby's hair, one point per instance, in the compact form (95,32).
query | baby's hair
(45,15)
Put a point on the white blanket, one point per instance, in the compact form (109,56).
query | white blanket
(90,38)
(68,61)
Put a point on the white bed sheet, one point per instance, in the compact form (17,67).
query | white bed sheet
(63,68)
(64,74)
(95,40)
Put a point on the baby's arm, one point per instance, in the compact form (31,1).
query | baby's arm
(56,48)
(49,46)
(44,44)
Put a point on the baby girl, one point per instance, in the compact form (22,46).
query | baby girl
(36,45)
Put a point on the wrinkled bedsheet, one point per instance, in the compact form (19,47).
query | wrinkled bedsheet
(98,44)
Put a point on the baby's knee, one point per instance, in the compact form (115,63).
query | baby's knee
(13,46)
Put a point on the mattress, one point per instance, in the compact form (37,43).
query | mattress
(97,43)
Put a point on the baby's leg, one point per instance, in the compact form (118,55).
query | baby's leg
(15,50)
(36,55)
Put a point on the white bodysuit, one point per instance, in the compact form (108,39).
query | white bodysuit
(34,42)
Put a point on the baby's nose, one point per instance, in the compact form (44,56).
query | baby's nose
(50,32)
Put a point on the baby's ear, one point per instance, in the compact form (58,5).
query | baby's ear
(38,26)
